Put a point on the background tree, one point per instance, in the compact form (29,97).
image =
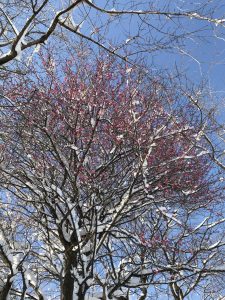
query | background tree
(144,26)
(17,242)
(185,246)
(94,154)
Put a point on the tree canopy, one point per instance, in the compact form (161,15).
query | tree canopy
(107,174)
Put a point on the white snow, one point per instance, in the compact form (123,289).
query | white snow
(188,192)
(93,122)
(66,234)
(21,42)
(128,70)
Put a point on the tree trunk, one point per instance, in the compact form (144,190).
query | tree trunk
(68,280)
(69,285)
(5,291)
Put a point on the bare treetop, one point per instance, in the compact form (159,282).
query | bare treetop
(141,26)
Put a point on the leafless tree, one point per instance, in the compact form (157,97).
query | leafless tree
(144,26)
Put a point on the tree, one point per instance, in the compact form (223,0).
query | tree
(185,246)
(93,154)
(154,26)
(17,242)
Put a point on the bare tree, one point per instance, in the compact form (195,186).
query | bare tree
(17,278)
(145,26)
(187,242)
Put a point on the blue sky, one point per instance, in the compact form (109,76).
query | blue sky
(200,56)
